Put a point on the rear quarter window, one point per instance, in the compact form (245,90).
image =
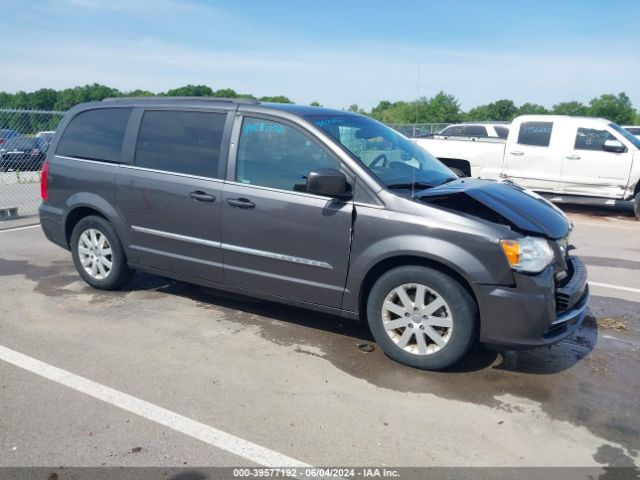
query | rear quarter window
(503,132)
(455,130)
(95,135)
(537,134)
(475,131)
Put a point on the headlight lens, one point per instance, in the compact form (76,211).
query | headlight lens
(527,254)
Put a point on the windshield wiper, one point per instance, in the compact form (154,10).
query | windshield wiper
(411,185)
(449,180)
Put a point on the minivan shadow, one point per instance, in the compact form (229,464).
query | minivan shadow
(541,361)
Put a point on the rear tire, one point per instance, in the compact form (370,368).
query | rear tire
(434,315)
(98,254)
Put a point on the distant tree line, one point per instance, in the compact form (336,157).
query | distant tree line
(441,108)
(61,100)
(445,108)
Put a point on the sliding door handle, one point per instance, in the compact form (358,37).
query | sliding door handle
(241,203)
(517,153)
(572,157)
(200,196)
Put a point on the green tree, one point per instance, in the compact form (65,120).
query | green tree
(315,103)
(441,108)
(573,108)
(190,91)
(69,97)
(531,109)
(6,100)
(139,93)
(276,99)
(397,112)
(501,110)
(225,93)
(615,108)
(377,111)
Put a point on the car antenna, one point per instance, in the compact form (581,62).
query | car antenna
(413,182)
(413,171)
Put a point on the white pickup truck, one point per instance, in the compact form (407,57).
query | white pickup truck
(574,159)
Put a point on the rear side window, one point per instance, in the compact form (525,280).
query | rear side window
(455,130)
(475,131)
(95,134)
(535,133)
(181,142)
(503,132)
(591,139)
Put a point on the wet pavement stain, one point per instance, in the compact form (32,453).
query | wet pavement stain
(596,389)
(616,458)
(572,382)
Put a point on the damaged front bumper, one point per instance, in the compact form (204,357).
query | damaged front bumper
(536,311)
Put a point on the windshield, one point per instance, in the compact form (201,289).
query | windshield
(635,141)
(395,160)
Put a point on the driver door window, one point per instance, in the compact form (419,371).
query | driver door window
(272,154)
(589,170)
(591,139)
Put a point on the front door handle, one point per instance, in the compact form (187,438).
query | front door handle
(200,196)
(240,202)
(517,153)
(573,157)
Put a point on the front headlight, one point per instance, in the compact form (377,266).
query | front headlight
(527,254)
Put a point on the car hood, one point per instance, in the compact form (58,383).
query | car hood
(501,202)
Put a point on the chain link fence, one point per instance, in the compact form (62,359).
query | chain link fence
(25,136)
(418,129)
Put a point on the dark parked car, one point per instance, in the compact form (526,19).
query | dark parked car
(319,208)
(6,134)
(23,153)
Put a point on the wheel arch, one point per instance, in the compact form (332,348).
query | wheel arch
(386,264)
(75,215)
(83,204)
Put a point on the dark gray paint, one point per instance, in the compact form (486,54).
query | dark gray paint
(295,247)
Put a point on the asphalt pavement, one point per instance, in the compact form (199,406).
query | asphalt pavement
(170,374)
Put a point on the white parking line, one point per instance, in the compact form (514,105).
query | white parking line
(217,438)
(615,287)
(19,228)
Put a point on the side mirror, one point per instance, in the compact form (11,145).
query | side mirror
(614,146)
(328,182)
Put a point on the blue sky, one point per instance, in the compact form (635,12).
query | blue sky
(336,52)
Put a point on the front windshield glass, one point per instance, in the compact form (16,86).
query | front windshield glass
(635,141)
(395,160)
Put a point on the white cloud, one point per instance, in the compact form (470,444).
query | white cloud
(335,76)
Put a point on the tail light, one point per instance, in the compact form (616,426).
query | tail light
(2,140)
(44,194)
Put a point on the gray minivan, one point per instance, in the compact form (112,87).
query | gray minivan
(320,208)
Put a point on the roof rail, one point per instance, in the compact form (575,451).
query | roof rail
(199,99)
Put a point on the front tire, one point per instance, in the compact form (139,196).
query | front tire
(98,254)
(422,317)
(636,206)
